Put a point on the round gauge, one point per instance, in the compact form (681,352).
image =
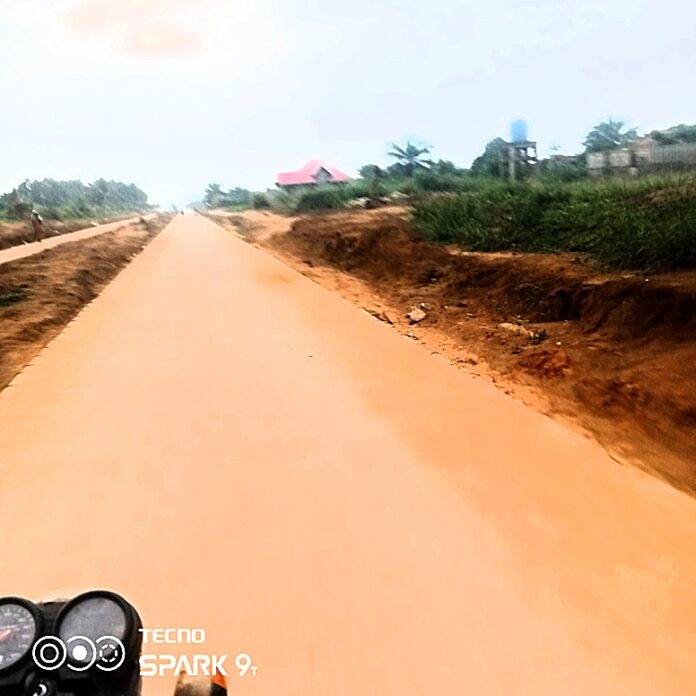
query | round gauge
(18,631)
(93,617)
(99,628)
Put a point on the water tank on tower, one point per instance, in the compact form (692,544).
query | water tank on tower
(519,131)
(520,155)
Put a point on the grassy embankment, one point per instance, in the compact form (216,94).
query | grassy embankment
(645,224)
(639,224)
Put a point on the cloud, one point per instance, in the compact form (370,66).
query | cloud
(234,40)
(149,29)
(161,41)
(103,15)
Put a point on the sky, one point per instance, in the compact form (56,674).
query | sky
(175,94)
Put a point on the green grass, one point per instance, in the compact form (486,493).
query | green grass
(645,224)
(642,224)
(333,197)
(13,296)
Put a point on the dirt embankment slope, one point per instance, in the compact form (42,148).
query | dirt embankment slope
(613,353)
(40,294)
(20,232)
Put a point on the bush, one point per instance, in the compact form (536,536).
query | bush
(260,201)
(332,196)
(52,213)
(561,171)
(644,224)
(281,201)
(79,209)
(409,186)
(359,188)
(429,181)
(324,198)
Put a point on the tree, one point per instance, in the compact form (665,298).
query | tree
(609,135)
(371,172)
(410,157)
(98,192)
(446,168)
(488,164)
(237,197)
(396,171)
(70,198)
(676,134)
(374,176)
(14,206)
(212,195)
(558,168)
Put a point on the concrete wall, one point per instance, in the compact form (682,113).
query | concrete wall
(679,153)
(645,156)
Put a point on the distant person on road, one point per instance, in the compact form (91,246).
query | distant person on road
(38,226)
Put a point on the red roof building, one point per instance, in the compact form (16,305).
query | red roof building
(312,174)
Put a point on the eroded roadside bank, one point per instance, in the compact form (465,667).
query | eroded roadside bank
(42,293)
(614,354)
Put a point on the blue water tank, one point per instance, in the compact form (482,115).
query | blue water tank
(519,131)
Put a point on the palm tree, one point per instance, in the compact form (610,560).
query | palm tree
(410,157)
(609,135)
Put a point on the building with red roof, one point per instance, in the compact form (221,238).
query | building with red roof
(312,174)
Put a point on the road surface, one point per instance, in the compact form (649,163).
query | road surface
(22,250)
(235,448)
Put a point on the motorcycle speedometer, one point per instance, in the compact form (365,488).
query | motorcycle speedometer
(19,628)
(93,617)
(89,624)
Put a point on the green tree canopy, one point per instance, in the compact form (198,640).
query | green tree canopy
(73,197)
(446,168)
(371,172)
(676,134)
(212,195)
(609,135)
(216,197)
(488,164)
(410,157)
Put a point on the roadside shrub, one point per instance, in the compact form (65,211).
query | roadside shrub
(360,188)
(323,198)
(260,201)
(52,213)
(431,182)
(561,171)
(407,186)
(234,199)
(420,185)
(657,236)
(647,224)
(281,201)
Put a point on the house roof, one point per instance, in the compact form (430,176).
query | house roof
(308,173)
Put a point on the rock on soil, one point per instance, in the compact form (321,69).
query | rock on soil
(516,328)
(381,314)
(416,315)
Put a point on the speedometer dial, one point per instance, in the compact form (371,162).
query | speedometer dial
(18,631)
(93,617)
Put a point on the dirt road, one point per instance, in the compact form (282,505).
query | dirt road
(235,448)
(23,250)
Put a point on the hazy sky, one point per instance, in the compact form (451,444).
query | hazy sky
(174,94)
